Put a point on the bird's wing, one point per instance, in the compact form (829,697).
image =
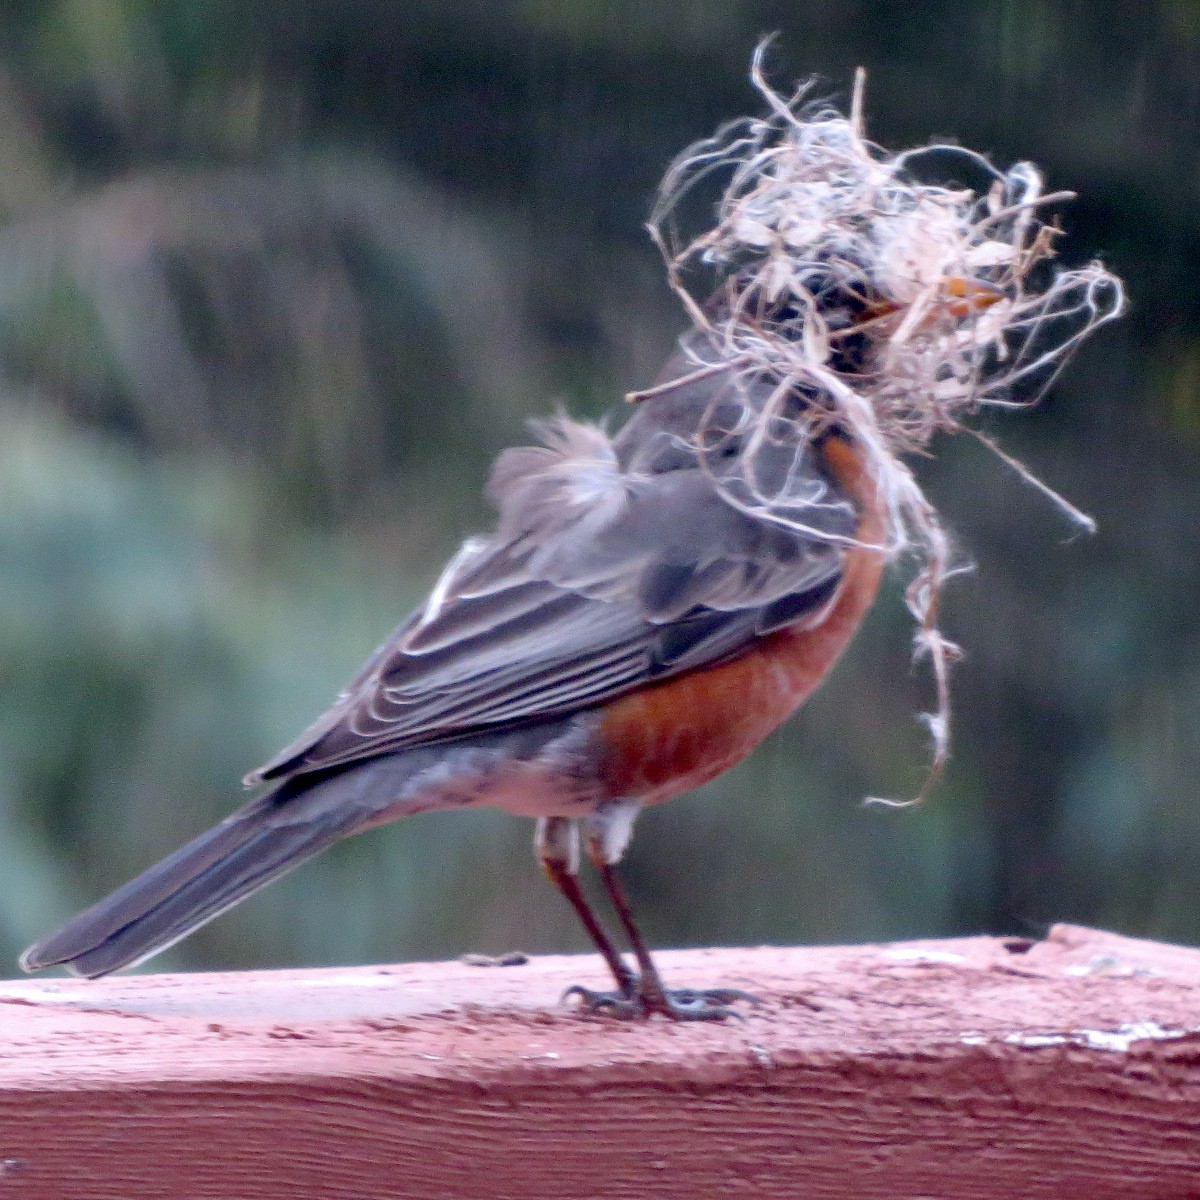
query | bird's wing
(598,580)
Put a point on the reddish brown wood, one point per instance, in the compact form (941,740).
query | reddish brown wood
(964,1070)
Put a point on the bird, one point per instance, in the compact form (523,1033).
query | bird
(629,631)
(655,601)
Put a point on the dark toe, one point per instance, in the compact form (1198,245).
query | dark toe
(614,1004)
(680,1004)
(690,1004)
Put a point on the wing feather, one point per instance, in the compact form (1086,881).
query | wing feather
(603,575)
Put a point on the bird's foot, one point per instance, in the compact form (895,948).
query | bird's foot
(680,1004)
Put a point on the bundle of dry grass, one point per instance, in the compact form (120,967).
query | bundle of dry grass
(898,307)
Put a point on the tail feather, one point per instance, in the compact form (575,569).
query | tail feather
(258,843)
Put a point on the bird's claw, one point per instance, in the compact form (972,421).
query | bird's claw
(706,1004)
(680,1004)
(626,1006)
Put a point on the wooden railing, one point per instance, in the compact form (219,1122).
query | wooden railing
(964,1070)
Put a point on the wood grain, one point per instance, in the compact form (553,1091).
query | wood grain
(964,1070)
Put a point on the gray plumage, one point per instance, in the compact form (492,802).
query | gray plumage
(616,562)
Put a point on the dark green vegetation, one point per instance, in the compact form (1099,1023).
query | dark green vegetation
(278,279)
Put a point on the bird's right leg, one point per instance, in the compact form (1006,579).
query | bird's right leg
(557,845)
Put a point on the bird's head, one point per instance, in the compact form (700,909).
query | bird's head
(867,291)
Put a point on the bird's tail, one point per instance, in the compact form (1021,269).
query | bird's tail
(258,843)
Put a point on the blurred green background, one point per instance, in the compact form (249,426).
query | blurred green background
(277,280)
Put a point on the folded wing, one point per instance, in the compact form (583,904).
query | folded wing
(603,575)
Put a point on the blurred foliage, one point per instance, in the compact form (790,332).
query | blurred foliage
(278,279)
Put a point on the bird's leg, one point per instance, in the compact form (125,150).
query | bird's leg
(684,1004)
(557,845)
(607,833)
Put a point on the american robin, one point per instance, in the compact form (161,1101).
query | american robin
(653,604)
(627,634)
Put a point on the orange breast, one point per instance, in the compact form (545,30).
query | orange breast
(673,736)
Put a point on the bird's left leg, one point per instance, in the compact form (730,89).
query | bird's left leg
(556,842)
(606,835)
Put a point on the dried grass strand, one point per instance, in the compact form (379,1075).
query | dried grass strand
(948,316)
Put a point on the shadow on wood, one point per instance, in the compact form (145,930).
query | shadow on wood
(967,1070)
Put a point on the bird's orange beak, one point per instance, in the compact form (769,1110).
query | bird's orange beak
(960,296)
(963,296)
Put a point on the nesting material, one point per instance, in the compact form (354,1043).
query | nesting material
(897,301)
